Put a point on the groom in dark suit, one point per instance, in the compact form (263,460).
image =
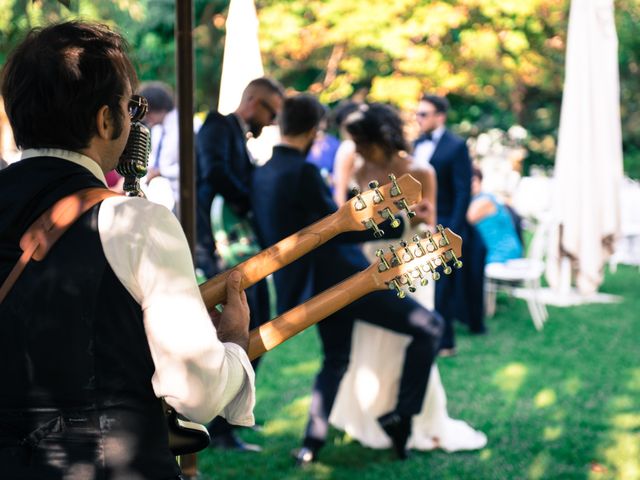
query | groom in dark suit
(288,194)
(460,294)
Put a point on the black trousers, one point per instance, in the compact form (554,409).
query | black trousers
(461,295)
(385,310)
(47,444)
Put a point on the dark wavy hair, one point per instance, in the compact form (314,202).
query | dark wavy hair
(379,124)
(58,78)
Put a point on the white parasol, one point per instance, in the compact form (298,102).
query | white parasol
(588,168)
(241,62)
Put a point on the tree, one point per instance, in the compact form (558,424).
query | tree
(501,62)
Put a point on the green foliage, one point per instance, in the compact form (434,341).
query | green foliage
(148,26)
(500,61)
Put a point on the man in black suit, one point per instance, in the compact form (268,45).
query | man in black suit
(224,167)
(288,194)
(460,294)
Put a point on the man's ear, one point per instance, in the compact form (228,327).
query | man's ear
(104,122)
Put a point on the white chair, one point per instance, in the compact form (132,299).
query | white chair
(520,278)
(627,247)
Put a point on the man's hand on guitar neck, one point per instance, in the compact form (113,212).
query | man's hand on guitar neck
(232,324)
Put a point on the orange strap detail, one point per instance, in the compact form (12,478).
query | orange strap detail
(49,227)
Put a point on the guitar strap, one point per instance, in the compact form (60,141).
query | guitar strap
(49,227)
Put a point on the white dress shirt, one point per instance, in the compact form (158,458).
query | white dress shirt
(164,154)
(145,246)
(423,151)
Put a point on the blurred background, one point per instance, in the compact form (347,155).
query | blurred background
(501,62)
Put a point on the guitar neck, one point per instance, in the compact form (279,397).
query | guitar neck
(273,333)
(405,266)
(214,291)
(364,211)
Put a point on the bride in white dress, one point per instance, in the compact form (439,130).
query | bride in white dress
(370,386)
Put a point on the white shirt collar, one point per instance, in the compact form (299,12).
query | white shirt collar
(243,125)
(437,133)
(75,157)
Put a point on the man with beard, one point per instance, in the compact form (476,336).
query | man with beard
(288,194)
(101,326)
(224,167)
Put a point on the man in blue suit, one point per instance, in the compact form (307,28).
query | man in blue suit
(224,164)
(224,167)
(288,194)
(460,294)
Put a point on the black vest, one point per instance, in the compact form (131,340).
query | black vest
(74,358)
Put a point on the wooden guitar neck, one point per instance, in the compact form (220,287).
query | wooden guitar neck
(275,332)
(274,258)
(407,266)
(365,211)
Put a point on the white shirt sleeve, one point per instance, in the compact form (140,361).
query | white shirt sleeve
(195,373)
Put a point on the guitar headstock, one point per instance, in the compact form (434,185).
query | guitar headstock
(367,209)
(412,264)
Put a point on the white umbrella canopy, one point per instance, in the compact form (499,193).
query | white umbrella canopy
(588,167)
(241,62)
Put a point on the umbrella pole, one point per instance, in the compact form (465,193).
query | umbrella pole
(184,69)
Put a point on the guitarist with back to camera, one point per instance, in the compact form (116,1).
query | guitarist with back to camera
(287,194)
(101,325)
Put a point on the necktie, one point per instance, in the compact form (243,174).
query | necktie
(424,137)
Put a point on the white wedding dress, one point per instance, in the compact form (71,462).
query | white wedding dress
(370,386)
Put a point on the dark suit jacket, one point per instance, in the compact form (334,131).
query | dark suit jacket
(224,168)
(287,195)
(453,170)
(458,296)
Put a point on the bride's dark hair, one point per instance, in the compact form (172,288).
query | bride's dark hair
(377,123)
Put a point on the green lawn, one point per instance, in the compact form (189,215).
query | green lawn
(562,403)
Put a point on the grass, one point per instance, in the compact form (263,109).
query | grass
(563,403)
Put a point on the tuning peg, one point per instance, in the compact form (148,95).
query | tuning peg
(383,265)
(395,188)
(403,205)
(417,273)
(408,256)
(395,259)
(378,197)
(388,214)
(408,282)
(457,263)
(444,241)
(432,246)
(446,268)
(359,203)
(394,285)
(370,224)
(419,251)
(430,268)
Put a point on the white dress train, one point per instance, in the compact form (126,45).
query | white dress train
(369,389)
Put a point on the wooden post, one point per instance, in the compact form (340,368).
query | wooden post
(184,69)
